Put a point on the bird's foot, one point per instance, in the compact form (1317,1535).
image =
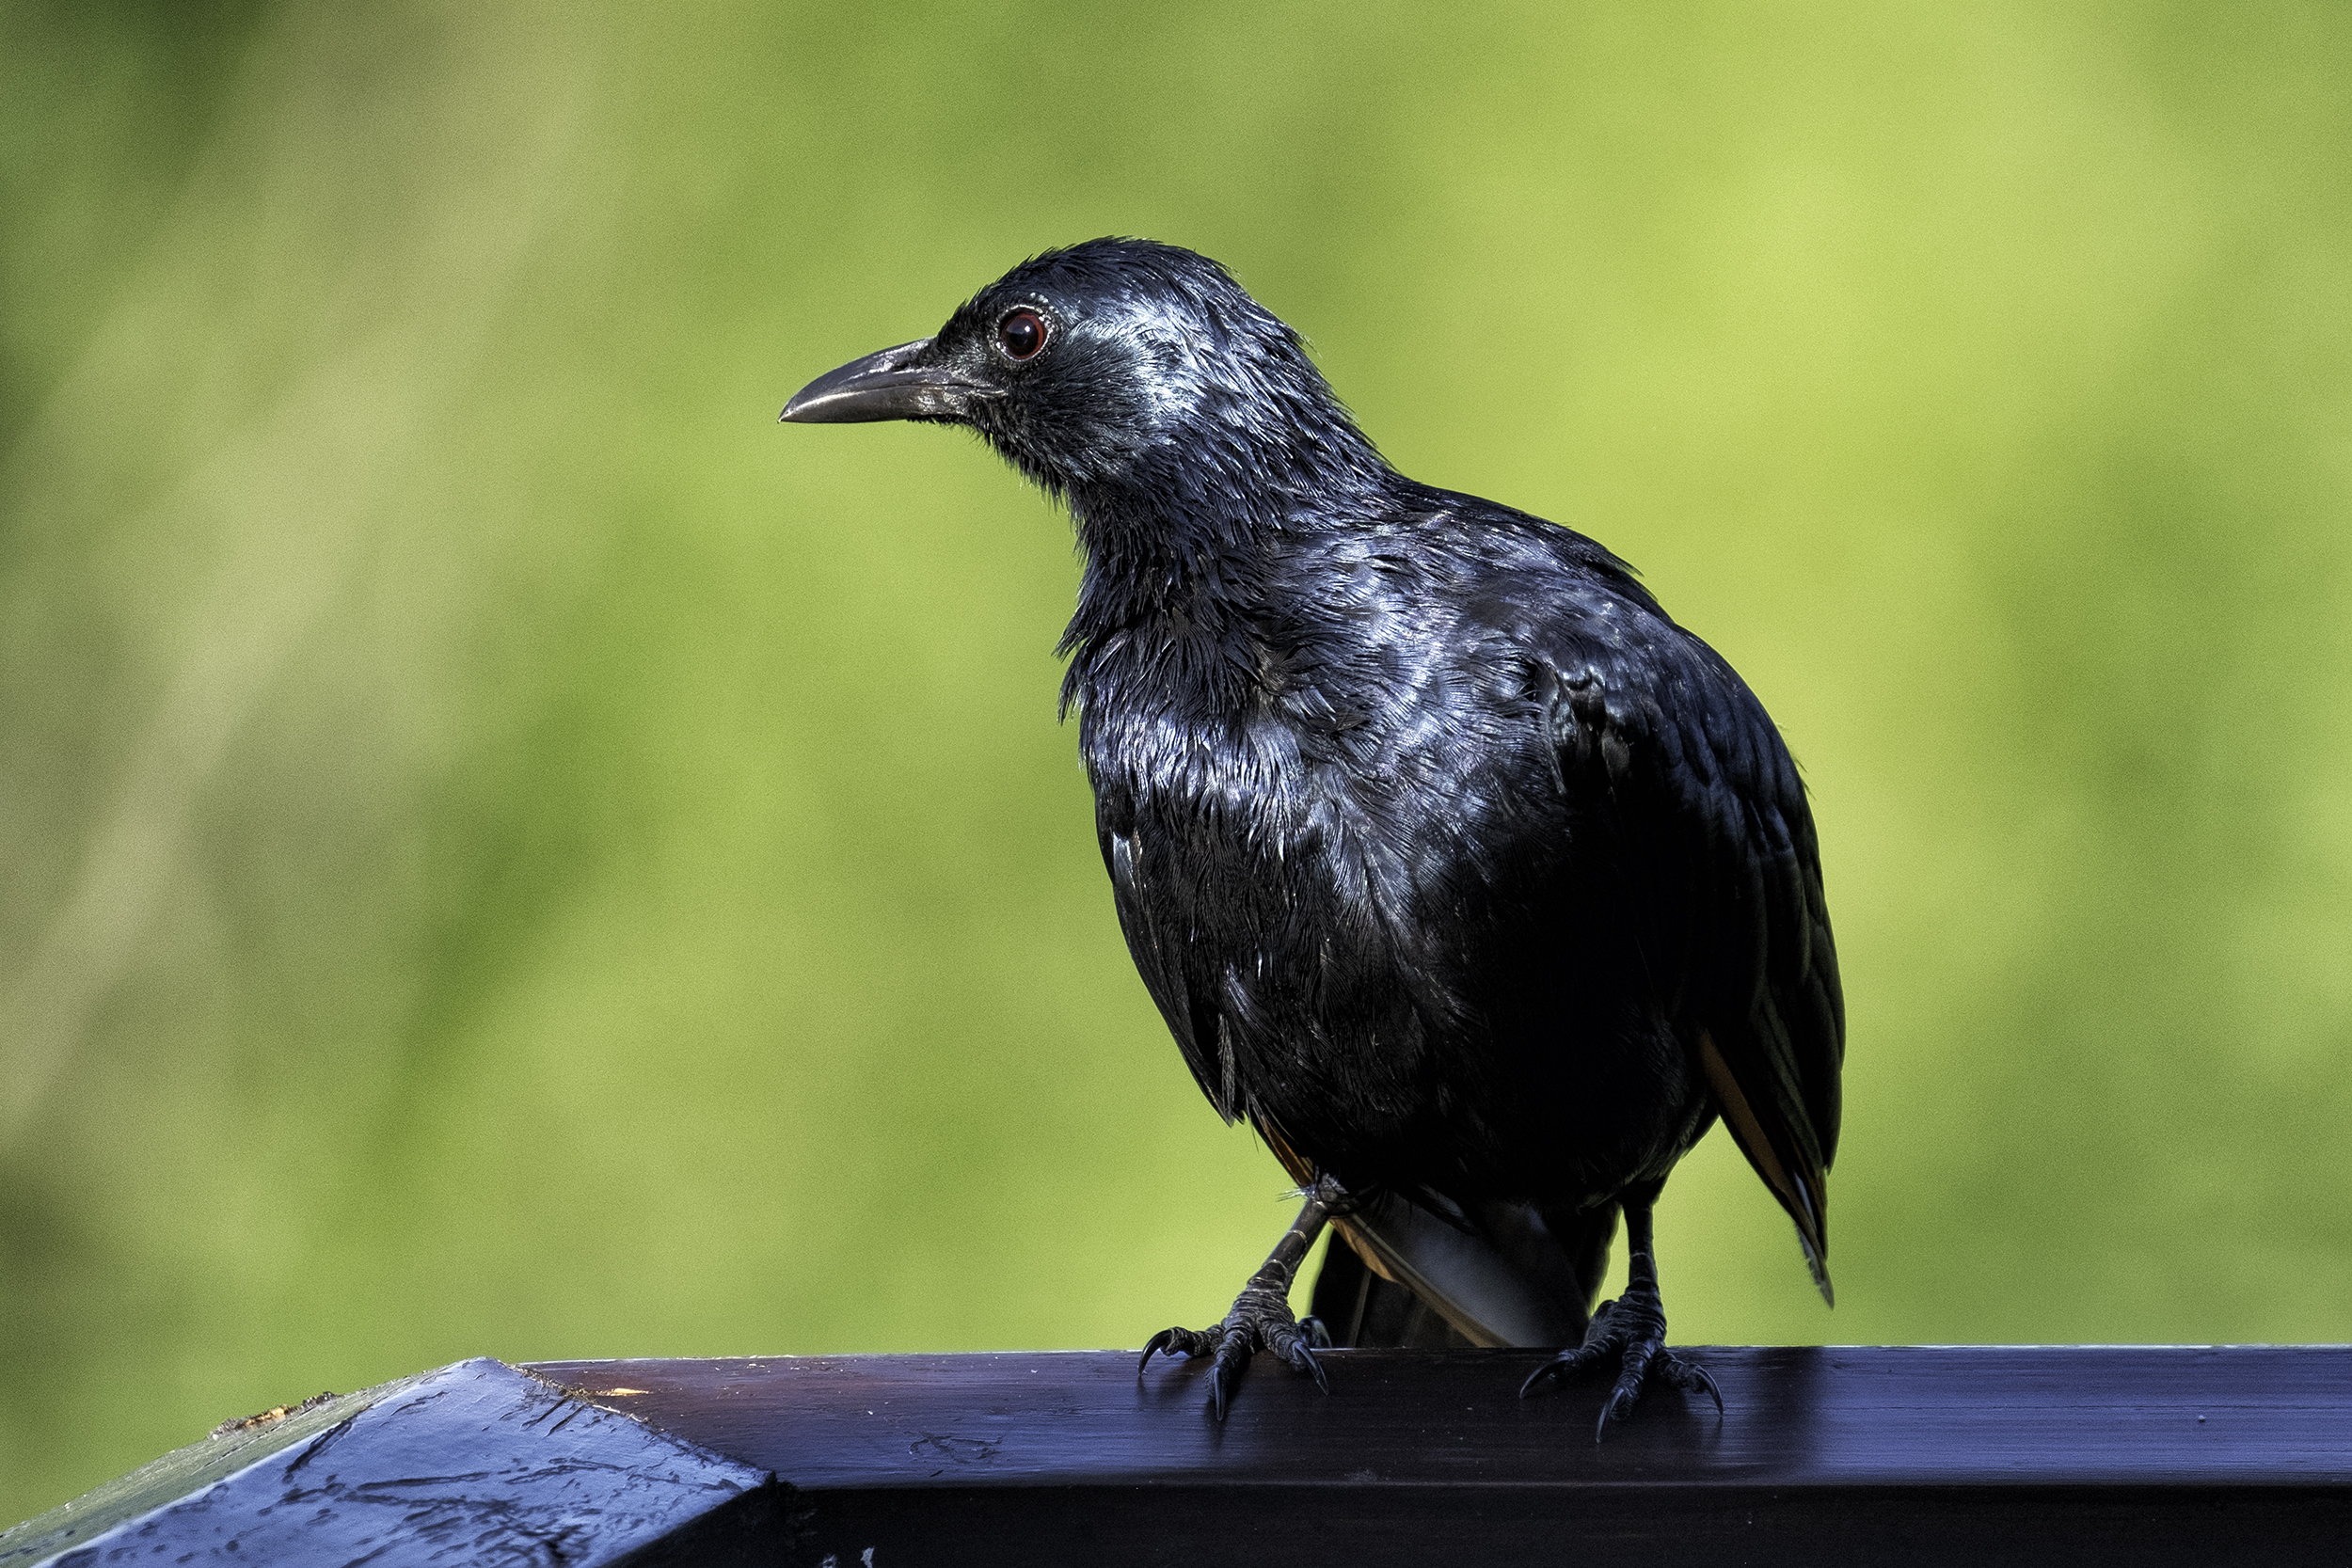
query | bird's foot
(1261,1321)
(1632,1328)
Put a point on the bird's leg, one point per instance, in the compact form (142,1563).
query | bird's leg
(1261,1318)
(1631,1328)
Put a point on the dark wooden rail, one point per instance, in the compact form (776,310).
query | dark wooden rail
(1921,1456)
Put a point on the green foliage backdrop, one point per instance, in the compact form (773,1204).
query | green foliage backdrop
(505,849)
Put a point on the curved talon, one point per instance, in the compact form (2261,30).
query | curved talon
(1296,1349)
(1233,1359)
(1233,1343)
(1566,1363)
(1636,1336)
(1162,1340)
(1687,1375)
(1260,1320)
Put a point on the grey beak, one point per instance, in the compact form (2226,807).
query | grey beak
(896,383)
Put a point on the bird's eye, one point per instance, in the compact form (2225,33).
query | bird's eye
(1022,333)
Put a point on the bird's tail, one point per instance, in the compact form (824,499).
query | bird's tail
(1502,1276)
(1800,1182)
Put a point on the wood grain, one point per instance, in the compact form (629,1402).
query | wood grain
(2058,1455)
(1918,1457)
(2056,1415)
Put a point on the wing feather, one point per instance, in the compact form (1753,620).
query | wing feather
(1713,817)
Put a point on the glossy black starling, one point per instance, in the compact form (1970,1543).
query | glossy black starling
(1473,882)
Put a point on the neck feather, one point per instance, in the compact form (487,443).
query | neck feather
(1182,550)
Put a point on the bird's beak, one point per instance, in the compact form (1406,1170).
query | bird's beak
(901,382)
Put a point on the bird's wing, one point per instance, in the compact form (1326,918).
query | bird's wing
(1714,821)
(1172,965)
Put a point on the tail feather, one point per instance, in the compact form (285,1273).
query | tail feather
(1801,1185)
(1502,1276)
(1466,1279)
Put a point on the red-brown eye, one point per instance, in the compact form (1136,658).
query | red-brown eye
(1022,333)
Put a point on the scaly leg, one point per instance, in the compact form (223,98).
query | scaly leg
(1632,1328)
(1261,1318)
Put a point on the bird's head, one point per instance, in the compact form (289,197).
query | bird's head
(1116,369)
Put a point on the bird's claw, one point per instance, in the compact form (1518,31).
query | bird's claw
(1261,1320)
(1632,1329)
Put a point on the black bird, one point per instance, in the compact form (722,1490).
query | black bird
(1473,882)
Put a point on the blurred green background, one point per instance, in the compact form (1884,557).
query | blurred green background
(505,849)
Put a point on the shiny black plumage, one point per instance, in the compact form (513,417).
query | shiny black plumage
(1456,867)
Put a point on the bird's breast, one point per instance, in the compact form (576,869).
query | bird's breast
(1252,793)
